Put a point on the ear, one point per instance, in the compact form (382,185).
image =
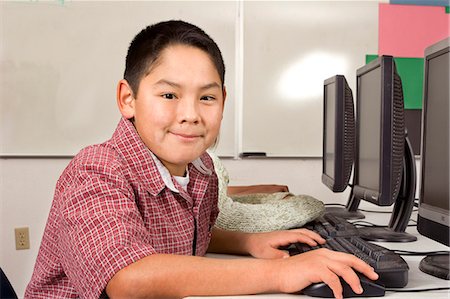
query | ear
(224,92)
(125,99)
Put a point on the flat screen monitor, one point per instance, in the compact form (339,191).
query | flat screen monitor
(339,144)
(380,130)
(433,218)
(338,133)
(384,163)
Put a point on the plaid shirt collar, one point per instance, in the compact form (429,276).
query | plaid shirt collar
(144,163)
(165,174)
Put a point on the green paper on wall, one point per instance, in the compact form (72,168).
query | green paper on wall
(411,73)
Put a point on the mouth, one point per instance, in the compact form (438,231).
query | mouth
(187,136)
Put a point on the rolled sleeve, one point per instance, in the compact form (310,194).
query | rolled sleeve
(102,231)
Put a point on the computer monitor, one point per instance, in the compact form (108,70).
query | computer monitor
(433,218)
(339,133)
(338,142)
(384,162)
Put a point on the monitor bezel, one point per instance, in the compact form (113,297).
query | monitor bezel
(339,181)
(384,196)
(433,221)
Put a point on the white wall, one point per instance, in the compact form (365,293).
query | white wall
(27,186)
(26,191)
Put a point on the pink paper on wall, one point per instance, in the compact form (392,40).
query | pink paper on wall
(406,30)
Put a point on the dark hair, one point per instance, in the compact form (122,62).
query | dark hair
(146,47)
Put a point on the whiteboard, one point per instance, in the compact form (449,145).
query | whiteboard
(60,63)
(290,48)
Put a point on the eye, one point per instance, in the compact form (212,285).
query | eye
(207,98)
(169,96)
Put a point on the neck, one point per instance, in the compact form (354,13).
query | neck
(175,170)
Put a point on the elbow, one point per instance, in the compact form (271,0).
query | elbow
(127,284)
(143,279)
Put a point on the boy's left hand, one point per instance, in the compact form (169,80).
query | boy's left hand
(265,245)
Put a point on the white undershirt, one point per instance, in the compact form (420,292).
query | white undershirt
(182,180)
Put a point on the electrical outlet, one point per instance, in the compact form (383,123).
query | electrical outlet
(22,238)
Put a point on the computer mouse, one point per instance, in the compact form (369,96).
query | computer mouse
(370,289)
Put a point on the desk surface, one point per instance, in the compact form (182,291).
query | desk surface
(417,279)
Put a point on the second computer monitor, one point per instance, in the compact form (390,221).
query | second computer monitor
(380,133)
(384,161)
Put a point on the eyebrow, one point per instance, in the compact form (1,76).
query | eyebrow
(176,85)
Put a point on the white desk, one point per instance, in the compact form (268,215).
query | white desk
(417,279)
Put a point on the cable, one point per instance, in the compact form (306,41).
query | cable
(381,212)
(420,253)
(417,290)
(335,204)
(363,210)
(363,223)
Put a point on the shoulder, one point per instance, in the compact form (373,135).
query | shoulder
(100,156)
(100,161)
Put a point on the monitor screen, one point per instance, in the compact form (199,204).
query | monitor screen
(330,112)
(369,128)
(434,188)
(338,133)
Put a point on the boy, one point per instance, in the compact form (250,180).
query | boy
(134,216)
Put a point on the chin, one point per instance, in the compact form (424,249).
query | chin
(184,160)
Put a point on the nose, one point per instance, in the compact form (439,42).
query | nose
(188,110)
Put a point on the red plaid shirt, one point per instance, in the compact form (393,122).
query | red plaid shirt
(112,208)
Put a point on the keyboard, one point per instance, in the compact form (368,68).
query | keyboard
(341,235)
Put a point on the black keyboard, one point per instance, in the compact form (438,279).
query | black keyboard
(342,236)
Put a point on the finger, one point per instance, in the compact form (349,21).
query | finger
(362,267)
(333,281)
(307,240)
(345,270)
(297,238)
(368,271)
(349,276)
(315,236)
(311,234)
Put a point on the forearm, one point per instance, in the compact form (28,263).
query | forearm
(175,276)
(229,242)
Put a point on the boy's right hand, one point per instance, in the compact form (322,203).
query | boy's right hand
(319,265)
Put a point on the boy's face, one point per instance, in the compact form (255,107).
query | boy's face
(178,109)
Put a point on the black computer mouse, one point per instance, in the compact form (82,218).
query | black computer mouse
(370,289)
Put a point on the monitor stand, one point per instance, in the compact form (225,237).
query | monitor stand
(436,265)
(401,213)
(350,211)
